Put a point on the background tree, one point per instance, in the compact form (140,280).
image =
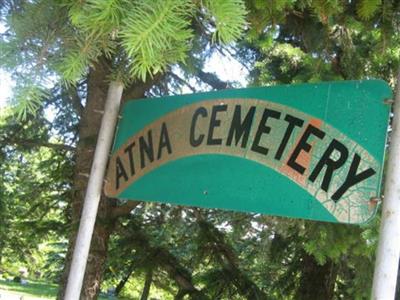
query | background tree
(94,42)
(35,185)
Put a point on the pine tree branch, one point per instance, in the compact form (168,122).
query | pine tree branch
(124,209)
(163,285)
(212,80)
(221,49)
(228,260)
(182,81)
(161,257)
(75,100)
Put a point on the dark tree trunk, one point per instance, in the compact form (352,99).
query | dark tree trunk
(89,127)
(147,284)
(180,295)
(397,296)
(316,282)
(125,279)
(88,130)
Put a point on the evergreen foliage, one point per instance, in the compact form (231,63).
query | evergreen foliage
(228,17)
(141,38)
(35,184)
(367,9)
(156,34)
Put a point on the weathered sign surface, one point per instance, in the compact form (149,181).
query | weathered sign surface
(311,151)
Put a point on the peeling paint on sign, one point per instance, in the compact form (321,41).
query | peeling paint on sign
(336,171)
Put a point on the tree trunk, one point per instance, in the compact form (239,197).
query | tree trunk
(316,282)
(89,127)
(88,130)
(147,284)
(397,295)
(125,279)
(180,295)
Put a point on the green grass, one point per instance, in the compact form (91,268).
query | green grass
(34,289)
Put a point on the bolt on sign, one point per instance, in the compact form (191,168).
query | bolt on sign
(312,151)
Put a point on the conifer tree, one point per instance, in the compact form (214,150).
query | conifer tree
(93,42)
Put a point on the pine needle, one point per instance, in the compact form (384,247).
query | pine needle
(156,33)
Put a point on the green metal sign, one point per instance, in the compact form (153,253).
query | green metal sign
(311,151)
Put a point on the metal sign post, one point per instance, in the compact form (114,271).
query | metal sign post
(387,260)
(93,192)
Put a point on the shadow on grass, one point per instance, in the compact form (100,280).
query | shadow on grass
(33,288)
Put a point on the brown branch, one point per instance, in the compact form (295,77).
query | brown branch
(147,283)
(162,285)
(75,100)
(124,209)
(138,89)
(221,50)
(182,81)
(212,80)
(161,257)
(125,278)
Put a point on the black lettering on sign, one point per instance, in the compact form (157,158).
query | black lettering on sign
(201,111)
(352,177)
(239,129)
(164,141)
(146,148)
(304,146)
(119,172)
(263,128)
(129,150)
(214,122)
(331,165)
(293,122)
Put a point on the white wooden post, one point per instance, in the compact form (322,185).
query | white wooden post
(387,260)
(93,192)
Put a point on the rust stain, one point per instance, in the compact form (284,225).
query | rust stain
(178,123)
(304,158)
